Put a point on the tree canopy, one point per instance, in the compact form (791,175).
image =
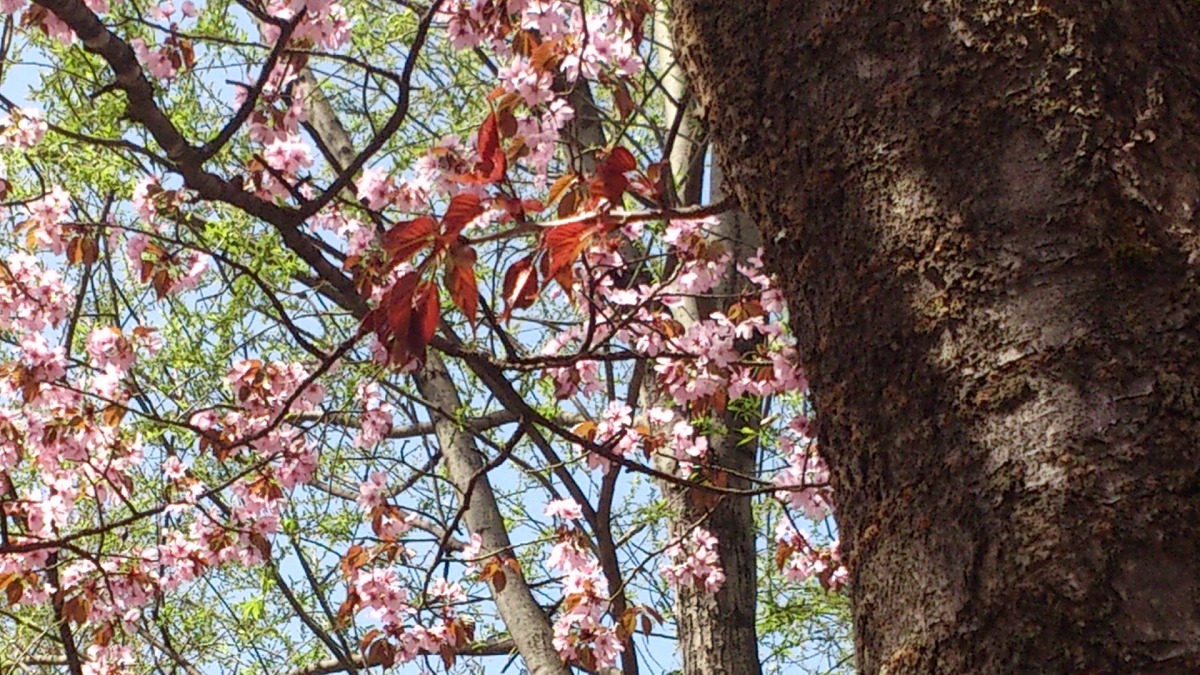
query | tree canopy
(356,334)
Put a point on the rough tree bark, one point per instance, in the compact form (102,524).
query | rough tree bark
(983,216)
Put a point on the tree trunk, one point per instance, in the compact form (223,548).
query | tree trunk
(527,623)
(983,217)
(717,631)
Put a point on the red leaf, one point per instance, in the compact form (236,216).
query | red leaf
(624,101)
(462,209)
(398,304)
(391,320)
(495,169)
(489,137)
(520,286)
(369,638)
(406,238)
(460,281)
(619,160)
(14,590)
(76,609)
(564,243)
(425,314)
(610,181)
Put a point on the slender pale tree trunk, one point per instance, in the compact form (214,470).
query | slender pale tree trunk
(983,216)
(717,631)
(527,623)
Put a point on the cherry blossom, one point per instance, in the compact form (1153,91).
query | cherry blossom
(22,128)
(696,562)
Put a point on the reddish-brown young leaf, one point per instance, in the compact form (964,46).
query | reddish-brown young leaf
(463,209)
(460,281)
(545,57)
(507,122)
(495,170)
(524,42)
(653,612)
(627,626)
(559,187)
(80,247)
(14,589)
(587,659)
(103,635)
(112,415)
(406,238)
(520,286)
(610,181)
(370,637)
(570,202)
(447,654)
(347,610)
(188,53)
(610,185)
(150,255)
(586,430)
(382,652)
(161,283)
(76,609)
(516,208)
(782,552)
(463,628)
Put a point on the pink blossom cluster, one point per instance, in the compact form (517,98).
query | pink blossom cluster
(608,49)
(805,481)
(112,355)
(800,560)
(579,627)
(22,128)
(31,296)
(325,22)
(47,215)
(171,271)
(155,60)
(616,432)
(695,562)
(377,190)
(48,21)
(357,237)
(380,592)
